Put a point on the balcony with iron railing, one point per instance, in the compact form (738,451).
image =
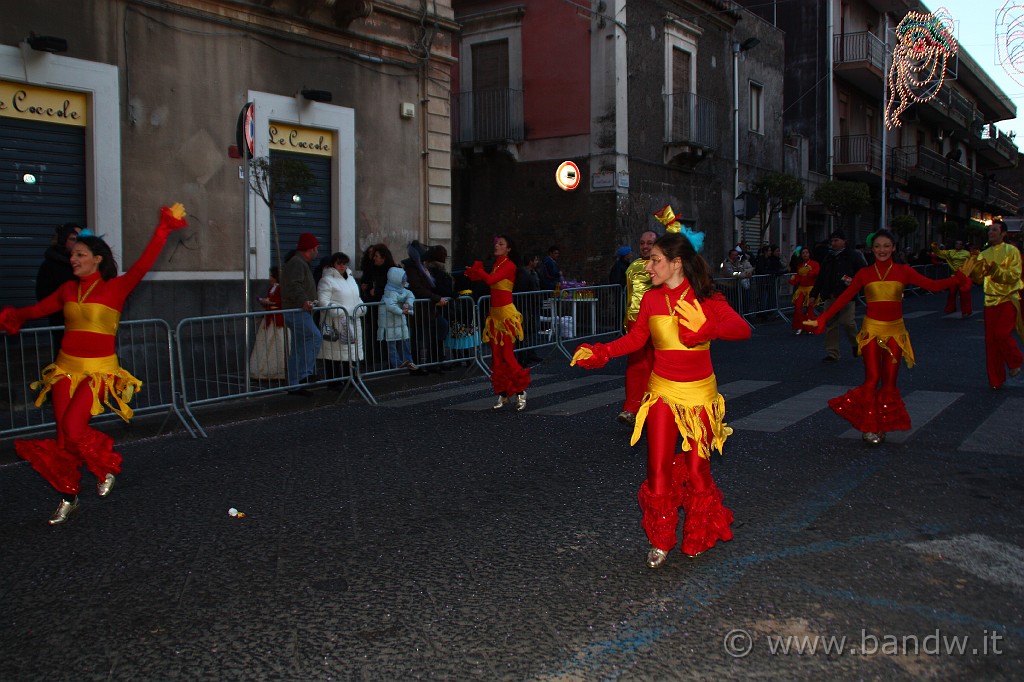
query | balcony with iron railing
(951,179)
(485,117)
(998,147)
(857,156)
(692,124)
(859,58)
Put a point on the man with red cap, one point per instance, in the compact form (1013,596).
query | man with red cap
(298,290)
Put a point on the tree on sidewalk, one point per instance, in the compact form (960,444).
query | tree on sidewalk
(776,192)
(843,199)
(274,177)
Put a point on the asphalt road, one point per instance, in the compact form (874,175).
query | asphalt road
(430,537)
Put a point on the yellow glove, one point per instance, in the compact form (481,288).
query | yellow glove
(691,315)
(969,265)
(582,353)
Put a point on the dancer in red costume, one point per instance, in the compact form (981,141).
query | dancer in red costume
(680,315)
(876,407)
(803,279)
(503,326)
(86,374)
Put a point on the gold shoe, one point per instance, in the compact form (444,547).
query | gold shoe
(656,557)
(502,401)
(104,487)
(64,510)
(520,401)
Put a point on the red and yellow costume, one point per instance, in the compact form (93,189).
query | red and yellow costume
(999,273)
(803,305)
(503,326)
(876,406)
(682,399)
(86,374)
(955,258)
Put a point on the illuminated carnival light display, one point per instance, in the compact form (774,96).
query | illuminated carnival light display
(1010,40)
(925,44)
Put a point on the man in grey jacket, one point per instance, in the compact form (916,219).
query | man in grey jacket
(298,297)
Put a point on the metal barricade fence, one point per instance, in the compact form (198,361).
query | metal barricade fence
(586,313)
(737,292)
(144,348)
(216,356)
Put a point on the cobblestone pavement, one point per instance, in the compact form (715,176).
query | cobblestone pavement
(433,538)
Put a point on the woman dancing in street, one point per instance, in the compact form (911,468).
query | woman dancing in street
(876,407)
(680,314)
(503,326)
(86,374)
(804,278)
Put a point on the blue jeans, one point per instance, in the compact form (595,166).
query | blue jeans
(306,340)
(393,359)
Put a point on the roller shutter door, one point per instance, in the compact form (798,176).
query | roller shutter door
(54,156)
(312,213)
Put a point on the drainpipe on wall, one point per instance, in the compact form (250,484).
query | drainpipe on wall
(421,88)
(885,128)
(621,98)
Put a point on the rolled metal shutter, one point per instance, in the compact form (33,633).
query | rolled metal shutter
(311,213)
(42,184)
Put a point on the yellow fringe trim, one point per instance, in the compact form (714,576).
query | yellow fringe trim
(881,332)
(106,372)
(503,321)
(688,400)
(802,291)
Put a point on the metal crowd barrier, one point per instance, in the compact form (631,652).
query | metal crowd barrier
(216,357)
(586,313)
(143,347)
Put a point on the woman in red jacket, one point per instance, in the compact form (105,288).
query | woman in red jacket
(503,326)
(803,279)
(876,407)
(680,314)
(86,374)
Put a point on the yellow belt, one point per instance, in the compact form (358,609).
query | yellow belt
(688,400)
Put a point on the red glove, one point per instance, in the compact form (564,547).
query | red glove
(9,323)
(172,218)
(707,332)
(591,357)
(475,271)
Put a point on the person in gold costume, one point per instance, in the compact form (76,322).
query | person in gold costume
(999,272)
(955,258)
(638,363)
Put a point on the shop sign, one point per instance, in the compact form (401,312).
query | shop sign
(288,138)
(32,103)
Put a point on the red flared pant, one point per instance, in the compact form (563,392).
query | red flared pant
(1001,349)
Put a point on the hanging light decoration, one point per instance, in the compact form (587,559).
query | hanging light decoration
(924,44)
(1010,40)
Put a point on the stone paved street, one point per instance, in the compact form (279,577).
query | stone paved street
(431,538)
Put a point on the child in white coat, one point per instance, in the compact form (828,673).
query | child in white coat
(393,327)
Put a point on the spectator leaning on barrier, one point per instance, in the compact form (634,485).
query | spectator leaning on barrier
(838,269)
(338,288)
(298,290)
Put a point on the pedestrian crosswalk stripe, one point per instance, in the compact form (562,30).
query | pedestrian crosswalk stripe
(583,404)
(1002,432)
(922,406)
(734,389)
(468,387)
(542,390)
(789,411)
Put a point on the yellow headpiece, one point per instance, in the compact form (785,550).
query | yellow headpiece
(667,218)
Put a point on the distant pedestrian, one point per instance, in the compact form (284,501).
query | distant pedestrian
(617,274)
(55,270)
(837,271)
(269,358)
(338,293)
(803,279)
(550,273)
(298,296)
(396,308)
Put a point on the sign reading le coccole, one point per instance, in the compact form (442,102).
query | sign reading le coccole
(567,176)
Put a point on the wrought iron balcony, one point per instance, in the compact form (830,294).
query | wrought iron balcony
(860,58)
(493,116)
(691,121)
(857,154)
